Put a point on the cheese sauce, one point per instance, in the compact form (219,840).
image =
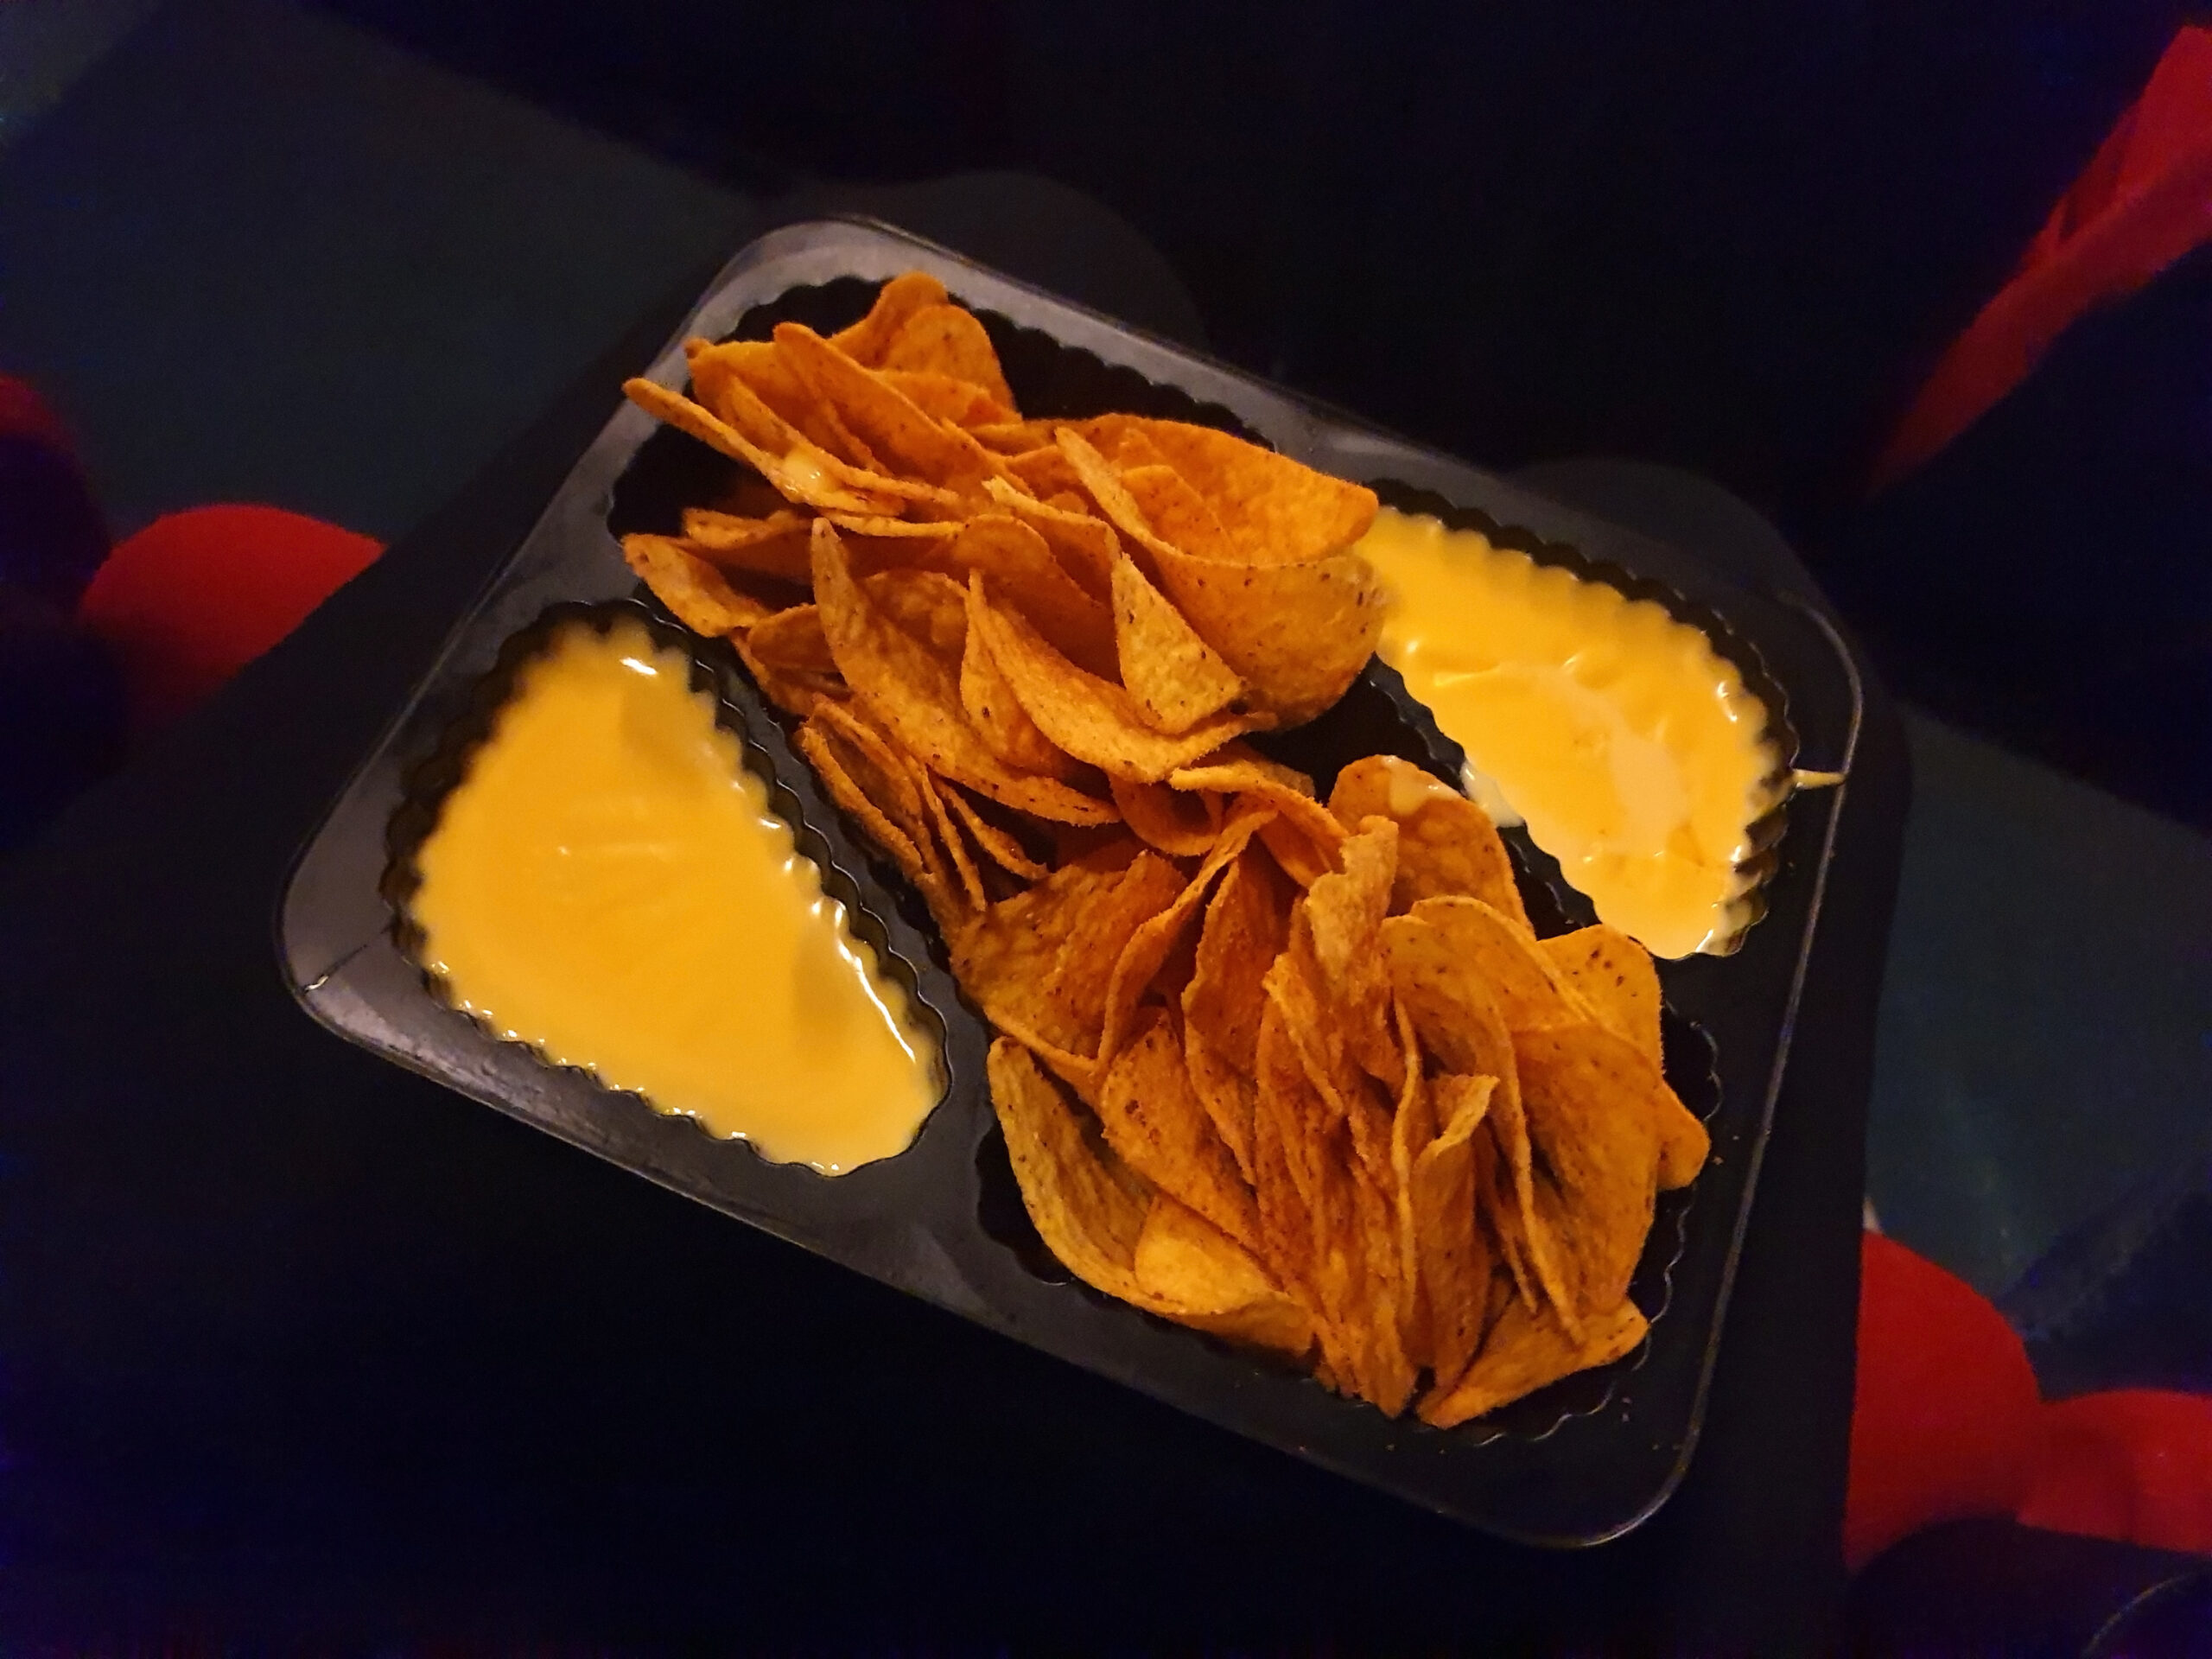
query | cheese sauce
(608,884)
(1619,736)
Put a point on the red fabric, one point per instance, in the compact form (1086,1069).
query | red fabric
(2144,201)
(195,596)
(2134,1463)
(23,414)
(1948,1423)
(1945,1420)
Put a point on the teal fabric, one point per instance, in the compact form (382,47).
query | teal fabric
(255,254)
(2045,1045)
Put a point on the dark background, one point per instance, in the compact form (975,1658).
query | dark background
(1729,236)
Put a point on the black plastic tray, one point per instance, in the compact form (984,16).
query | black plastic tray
(1579,1463)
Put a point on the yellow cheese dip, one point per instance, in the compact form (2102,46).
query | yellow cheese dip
(608,884)
(1619,736)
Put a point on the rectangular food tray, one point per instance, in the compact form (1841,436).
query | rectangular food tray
(1580,1462)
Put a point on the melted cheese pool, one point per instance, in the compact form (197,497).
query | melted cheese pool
(608,884)
(1619,736)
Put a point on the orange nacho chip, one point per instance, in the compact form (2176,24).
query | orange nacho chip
(942,396)
(1175,677)
(1524,1351)
(792,639)
(1153,1118)
(1615,976)
(1024,574)
(701,599)
(944,339)
(917,696)
(1187,1264)
(1296,1075)
(1185,824)
(1446,843)
(774,546)
(896,302)
(1084,544)
(997,714)
(906,437)
(1093,720)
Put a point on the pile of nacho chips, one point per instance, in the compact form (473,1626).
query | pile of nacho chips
(1296,1073)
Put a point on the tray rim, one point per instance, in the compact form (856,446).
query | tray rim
(802,255)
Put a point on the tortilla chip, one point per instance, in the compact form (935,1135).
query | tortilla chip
(900,788)
(889,772)
(1288,1157)
(915,694)
(1449,1177)
(694,591)
(806,473)
(1257,772)
(1016,437)
(1125,439)
(1413,1126)
(1446,843)
(1247,925)
(1005,957)
(1084,544)
(1230,1096)
(797,692)
(1594,1115)
(1296,854)
(1083,969)
(1089,1218)
(1178,515)
(1024,574)
(945,901)
(1188,1264)
(944,397)
(909,442)
(1093,720)
(1530,993)
(877,529)
(896,302)
(1236,769)
(1154,1121)
(1097,478)
(998,844)
(998,716)
(1180,825)
(945,340)
(928,605)
(792,639)
(774,546)
(1304,840)
(717,387)
(947,833)
(1616,977)
(1175,677)
(1460,1027)
(1046,474)
(746,382)
(1294,985)
(1297,634)
(1276,511)
(1344,910)
(1525,1351)
(1622,989)
(1150,946)
(1389,1376)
